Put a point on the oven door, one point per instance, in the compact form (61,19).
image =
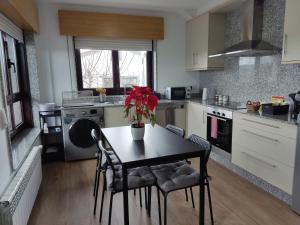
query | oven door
(177,93)
(219,134)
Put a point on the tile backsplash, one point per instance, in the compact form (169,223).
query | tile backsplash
(255,78)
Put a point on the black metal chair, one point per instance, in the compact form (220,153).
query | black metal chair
(100,165)
(180,175)
(138,178)
(181,132)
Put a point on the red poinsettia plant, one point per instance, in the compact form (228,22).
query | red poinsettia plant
(139,104)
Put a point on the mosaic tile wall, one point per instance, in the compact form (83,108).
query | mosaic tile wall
(255,78)
(33,75)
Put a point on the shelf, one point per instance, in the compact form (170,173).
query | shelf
(55,113)
(53,131)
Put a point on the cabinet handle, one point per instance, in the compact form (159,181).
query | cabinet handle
(258,135)
(285,44)
(218,118)
(265,124)
(260,160)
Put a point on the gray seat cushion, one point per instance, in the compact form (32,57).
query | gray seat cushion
(174,176)
(113,157)
(137,177)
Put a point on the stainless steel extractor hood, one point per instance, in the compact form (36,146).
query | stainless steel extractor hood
(252,26)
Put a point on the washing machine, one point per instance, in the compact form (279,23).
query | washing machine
(77,126)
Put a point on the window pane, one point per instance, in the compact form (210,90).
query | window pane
(18,113)
(13,68)
(96,68)
(133,68)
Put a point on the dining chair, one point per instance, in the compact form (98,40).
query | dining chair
(180,132)
(140,177)
(100,165)
(180,175)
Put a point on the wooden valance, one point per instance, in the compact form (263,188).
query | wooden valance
(108,25)
(23,13)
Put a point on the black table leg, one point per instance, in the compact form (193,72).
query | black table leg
(125,196)
(202,191)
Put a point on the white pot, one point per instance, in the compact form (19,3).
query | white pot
(137,133)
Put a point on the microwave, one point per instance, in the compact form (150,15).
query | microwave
(177,93)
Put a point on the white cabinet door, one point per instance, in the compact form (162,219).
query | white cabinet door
(291,40)
(265,148)
(204,36)
(180,117)
(114,117)
(196,119)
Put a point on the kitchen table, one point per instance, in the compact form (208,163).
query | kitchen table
(158,147)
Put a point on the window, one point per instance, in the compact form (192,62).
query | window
(112,69)
(16,84)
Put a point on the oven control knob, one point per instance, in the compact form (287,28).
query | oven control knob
(214,112)
(219,113)
(223,114)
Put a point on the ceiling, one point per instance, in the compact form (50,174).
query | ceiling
(190,7)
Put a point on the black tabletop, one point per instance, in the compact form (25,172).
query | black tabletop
(159,146)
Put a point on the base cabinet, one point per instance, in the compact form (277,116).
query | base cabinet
(180,115)
(114,117)
(265,148)
(196,119)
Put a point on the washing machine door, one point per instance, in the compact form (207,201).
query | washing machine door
(80,132)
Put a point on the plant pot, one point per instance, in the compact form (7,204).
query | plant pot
(138,131)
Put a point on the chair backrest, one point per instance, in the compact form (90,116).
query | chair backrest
(204,144)
(96,138)
(103,151)
(176,130)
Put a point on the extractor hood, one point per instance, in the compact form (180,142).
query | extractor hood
(252,25)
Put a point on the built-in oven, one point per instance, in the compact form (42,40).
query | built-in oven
(219,128)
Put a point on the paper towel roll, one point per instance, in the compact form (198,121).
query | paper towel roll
(204,94)
(3,120)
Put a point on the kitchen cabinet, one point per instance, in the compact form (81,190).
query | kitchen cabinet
(265,148)
(114,117)
(291,39)
(204,37)
(180,115)
(196,119)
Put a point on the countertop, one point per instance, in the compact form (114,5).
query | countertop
(286,118)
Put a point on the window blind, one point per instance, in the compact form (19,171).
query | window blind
(113,44)
(10,28)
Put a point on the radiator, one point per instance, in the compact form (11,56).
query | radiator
(19,197)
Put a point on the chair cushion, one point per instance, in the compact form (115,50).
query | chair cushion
(174,176)
(137,177)
(113,157)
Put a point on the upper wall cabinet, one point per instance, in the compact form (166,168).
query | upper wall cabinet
(204,37)
(291,39)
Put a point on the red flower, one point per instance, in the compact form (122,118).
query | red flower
(128,100)
(144,102)
(152,102)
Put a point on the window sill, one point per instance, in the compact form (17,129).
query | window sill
(22,144)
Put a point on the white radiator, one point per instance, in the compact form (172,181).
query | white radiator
(17,202)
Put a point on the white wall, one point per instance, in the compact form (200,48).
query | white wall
(56,74)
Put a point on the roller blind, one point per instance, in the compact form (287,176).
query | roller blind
(113,44)
(10,28)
